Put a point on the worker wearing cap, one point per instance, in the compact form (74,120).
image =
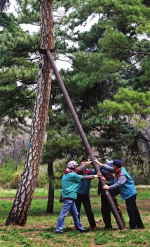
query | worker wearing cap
(70,184)
(105,207)
(125,184)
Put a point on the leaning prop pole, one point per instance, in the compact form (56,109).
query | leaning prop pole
(84,139)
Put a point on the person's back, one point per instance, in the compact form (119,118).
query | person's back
(85,185)
(70,184)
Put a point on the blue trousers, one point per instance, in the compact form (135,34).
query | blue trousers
(68,206)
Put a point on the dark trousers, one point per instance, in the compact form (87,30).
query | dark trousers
(133,213)
(106,209)
(85,199)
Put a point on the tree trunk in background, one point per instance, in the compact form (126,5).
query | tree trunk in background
(20,209)
(50,203)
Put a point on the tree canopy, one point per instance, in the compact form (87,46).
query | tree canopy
(108,80)
(19,65)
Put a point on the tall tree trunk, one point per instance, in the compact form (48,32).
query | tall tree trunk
(19,212)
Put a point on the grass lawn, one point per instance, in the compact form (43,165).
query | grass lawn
(40,227)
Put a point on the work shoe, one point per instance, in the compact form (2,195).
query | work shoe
(95,228)
(83,231)
(107,227)
(141,227)
(75,228)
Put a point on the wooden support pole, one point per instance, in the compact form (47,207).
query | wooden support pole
(84,139)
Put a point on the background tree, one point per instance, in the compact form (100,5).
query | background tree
(23,198)
(104,60)
(19,66)
(113,55)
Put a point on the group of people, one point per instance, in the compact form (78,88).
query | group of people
(76,191)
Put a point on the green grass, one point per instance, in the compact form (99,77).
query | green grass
(40,227)
(38,192)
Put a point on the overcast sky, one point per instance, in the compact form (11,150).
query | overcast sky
(62,63)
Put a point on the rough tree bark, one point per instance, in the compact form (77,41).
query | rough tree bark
(19,212)
(2,5)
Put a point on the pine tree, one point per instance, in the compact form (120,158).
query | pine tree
(110,57)
(19,66)
(20,208)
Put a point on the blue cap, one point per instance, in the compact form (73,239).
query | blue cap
(109,162)
(117,163)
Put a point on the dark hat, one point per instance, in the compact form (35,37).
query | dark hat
(84,159)
(117,163)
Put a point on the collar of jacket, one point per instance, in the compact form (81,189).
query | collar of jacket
(66,171)
(117,174)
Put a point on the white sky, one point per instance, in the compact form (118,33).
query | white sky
(63,62)
(12,7)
